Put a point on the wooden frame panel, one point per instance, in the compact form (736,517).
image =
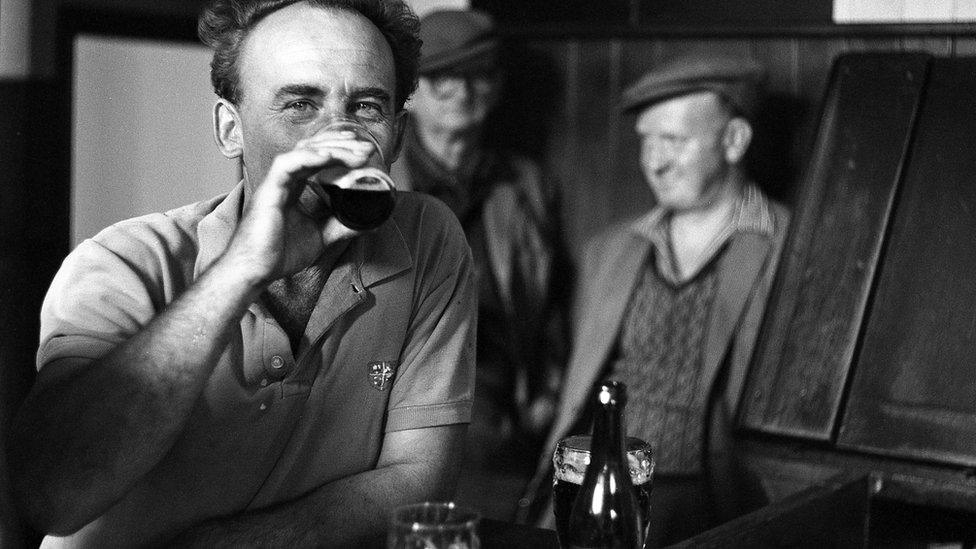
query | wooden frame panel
(827,271)
(914,392)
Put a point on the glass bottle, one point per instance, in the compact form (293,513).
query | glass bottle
(605,514)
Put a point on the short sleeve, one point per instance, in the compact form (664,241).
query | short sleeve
(106,290)
(435,383)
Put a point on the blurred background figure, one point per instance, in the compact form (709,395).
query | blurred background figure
(670,302)
(510,214)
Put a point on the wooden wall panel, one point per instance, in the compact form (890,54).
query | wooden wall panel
(964,46)
(772,159)
(935,45)
(743,14)
(810,88)
(591,144)
(592,193)
(562,106)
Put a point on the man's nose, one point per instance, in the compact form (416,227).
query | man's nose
(334,119)
(656,158)
(464,88)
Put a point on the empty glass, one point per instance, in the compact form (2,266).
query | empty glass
(433,526)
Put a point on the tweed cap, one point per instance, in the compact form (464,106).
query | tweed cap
(457,40)
(736,79)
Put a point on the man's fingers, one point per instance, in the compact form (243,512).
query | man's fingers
(296,166)
(289,172)
(339,145)
(288,175)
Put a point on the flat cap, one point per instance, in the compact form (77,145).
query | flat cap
(457,40)
(736,79)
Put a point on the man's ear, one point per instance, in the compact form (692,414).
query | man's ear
(736,139)
(400,130)
(227,129)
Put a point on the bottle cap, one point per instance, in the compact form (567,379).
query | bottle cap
(612,392)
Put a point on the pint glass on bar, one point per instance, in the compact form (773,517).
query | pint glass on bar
(570,459)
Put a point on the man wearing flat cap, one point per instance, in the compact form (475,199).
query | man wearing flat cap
(510,214)
(670,302)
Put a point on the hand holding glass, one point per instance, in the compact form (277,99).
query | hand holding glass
(360,198)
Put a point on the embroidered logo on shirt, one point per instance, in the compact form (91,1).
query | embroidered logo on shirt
(380,373)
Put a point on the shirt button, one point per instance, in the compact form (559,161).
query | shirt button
(277,362)
(264,382)
(263,406)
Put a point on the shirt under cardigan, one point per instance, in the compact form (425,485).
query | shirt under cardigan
(663,333)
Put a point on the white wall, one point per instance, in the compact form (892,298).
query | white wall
(424,6)
(904,11)
(142,134)
(15,28)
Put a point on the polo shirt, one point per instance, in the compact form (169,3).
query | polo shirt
(389,346)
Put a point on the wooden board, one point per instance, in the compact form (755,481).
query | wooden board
(914,388)
(826,273)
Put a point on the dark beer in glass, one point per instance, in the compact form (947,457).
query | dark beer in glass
(364,205)
(570,459)
(360,198)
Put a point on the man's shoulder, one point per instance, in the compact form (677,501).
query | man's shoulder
(617,232)
(172,233)
(522,164)
(778,210)
(781,214)
(415,207)
(424,220)
(528,176)
(607,244)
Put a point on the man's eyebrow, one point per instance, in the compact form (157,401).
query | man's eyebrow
(291,90)
(378,93)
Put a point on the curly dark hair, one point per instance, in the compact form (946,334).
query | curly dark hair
(224,25)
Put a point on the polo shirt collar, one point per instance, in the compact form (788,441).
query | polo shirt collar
(379,255)
(216,229)
(384,253)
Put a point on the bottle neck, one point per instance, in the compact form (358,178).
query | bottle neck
(608,437)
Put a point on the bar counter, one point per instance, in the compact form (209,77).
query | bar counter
(506,535)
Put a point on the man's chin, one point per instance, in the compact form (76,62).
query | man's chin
(461,122)
(676,203)
(668,199)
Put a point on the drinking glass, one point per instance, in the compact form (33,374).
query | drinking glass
(570,459)
(434,525)
(360,198)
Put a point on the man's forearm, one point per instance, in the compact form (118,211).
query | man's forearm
(88,431)
(350,512)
